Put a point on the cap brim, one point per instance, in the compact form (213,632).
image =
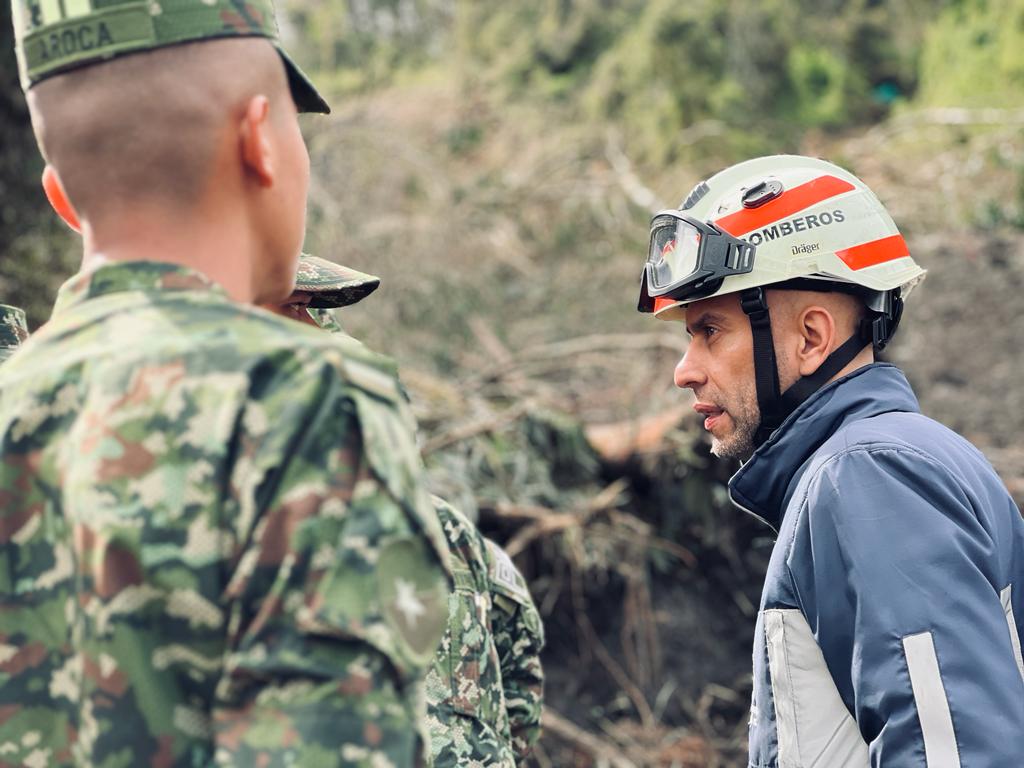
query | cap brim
(344,297)
(332,285)
(307,97)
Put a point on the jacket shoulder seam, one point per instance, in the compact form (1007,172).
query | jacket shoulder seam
(859,448)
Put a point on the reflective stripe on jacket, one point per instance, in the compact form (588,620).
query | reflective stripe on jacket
(893,608)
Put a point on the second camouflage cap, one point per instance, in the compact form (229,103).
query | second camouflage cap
(332,285)
(54,36)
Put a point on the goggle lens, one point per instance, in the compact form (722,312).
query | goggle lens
(674,250)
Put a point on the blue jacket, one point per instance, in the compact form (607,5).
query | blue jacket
(893,609)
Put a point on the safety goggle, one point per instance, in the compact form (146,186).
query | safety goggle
(688,259)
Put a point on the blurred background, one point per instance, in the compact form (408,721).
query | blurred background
(497,164)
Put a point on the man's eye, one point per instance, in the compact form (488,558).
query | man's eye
(709,331)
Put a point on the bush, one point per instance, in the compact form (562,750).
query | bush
(974,55)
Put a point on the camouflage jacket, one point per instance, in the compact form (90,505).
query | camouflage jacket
(519,638)
(485,690)
(13,330)
(216,547)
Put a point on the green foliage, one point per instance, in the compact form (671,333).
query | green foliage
(780,66)
(680,78)
(663,74)
(974,55)
(1005,210)
(37,252)
(661,67)
(559,438)
(820,85)
(358,45)
(545,46)
(464,137)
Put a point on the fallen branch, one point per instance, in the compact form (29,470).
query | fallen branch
(603,342)
(962,116)
(656,542)
(619,441)
(561,727)
(940,116)
(474,428)
(631,689)
(560,521)
(639,193)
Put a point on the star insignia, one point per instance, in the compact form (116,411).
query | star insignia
(407,603)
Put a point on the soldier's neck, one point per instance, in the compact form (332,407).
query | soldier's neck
(221,249)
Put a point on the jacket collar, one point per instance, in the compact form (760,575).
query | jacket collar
(761,486)
(122,276)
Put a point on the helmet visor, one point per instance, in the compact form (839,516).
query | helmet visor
(674,251)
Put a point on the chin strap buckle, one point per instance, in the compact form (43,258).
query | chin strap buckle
(754,304)
(878,330)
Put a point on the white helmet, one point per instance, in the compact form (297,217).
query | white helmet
(783,221)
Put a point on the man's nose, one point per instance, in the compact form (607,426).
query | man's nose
(688,374)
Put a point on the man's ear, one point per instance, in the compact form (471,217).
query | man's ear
(59,199)
(257,151)
(817,330)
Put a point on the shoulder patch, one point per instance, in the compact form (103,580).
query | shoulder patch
(413,593)
(503,573)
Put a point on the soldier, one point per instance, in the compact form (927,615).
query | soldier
(13,330)
(215,541)
(485,689)
(519,638)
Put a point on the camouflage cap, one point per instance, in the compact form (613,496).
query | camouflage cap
(332,285)
(13,330)
(54,36)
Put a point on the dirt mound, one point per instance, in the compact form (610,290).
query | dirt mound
(962,340)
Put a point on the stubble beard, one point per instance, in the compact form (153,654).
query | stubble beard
(746,418)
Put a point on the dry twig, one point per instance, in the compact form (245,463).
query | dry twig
(560,521)
(475,428)
(561,727)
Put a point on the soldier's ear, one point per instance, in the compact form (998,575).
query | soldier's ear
(254,135)
(59,199)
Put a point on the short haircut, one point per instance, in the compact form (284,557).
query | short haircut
(145,127)
(846,309)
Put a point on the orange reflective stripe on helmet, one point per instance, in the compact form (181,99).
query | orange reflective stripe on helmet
(663,302)
(875,252)
(793,201)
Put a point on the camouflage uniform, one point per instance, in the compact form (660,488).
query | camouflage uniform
(519,639)
(13,330)
(485,690)
(215,546)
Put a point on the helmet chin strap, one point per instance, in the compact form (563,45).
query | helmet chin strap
(776,406)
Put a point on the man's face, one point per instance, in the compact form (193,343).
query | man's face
(719,367)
